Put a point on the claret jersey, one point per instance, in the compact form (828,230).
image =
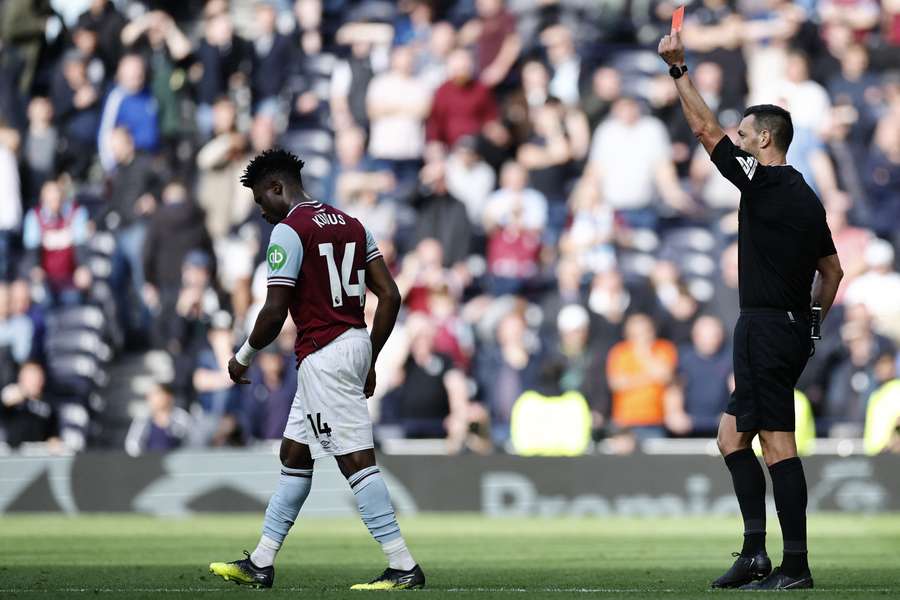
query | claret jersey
(321,252)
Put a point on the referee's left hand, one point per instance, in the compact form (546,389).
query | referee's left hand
(671,49)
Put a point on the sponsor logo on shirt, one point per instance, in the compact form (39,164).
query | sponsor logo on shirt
(276,257)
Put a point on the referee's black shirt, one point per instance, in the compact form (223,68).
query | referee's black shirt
(781,234)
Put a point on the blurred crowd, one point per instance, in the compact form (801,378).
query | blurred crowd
(524,165)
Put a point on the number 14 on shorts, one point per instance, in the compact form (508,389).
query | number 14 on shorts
(318,427)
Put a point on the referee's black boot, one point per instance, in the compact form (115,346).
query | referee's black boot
(746,569)
(779,581)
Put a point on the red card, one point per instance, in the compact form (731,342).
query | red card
(677,19)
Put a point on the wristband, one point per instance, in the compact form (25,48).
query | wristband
(246,353)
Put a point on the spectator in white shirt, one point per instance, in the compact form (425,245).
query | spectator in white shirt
(469,178)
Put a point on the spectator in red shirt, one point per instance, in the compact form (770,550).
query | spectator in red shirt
(462,105)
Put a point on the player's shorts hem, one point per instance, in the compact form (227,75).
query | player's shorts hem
(342,451)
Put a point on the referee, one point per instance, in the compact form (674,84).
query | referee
(782,241)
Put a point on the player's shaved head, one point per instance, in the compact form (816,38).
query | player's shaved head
(273,163)
(775,120)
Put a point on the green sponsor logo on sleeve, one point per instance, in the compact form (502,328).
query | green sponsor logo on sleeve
(276,257)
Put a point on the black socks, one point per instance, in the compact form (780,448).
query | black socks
(750,489)
(789,488)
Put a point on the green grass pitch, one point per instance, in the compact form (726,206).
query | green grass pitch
(464,556)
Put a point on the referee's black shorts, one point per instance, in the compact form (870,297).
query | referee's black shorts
(771,348)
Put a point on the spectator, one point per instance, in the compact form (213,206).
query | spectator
(850,241)
(431,64)
(356,175)
(397,104)
(26,413)
(639,370)
(271,53)
(497,44)
(86,39)
(513,220)
(266,402)
(568,291)
(225,202)
(504,371)
(217,399)
(163,427)
(879,289)
(54,235)
(441,216)
(175,229)
(223,64)
(851,382)
(882,176)
(432,400)
(469,178)
(129,105)
(130,201)
(41,142)
(606,88)
(76,110)
(461,106)
(631,159)
(16,330)
(20,305)
(589,238)
(694,406)
(23,24)
(10,200)
(351,77)
(196,304)
(107,23)
(566,64)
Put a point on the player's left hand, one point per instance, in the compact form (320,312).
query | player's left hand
(369,389)
(671,49)
(236,371)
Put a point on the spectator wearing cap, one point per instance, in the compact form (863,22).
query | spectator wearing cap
(162,427)
(130,104)
(54,235)
(76,110)
(572,365)
(639,370)
(175,229)
(27,414)
(695,404)
(266,402)
(878,289)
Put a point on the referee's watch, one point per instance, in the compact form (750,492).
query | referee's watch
(677,71)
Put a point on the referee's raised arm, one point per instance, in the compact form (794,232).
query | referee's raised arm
(701,120)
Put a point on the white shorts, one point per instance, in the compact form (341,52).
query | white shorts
(330,413)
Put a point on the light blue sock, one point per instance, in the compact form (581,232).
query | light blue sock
(377,513)
(284,505)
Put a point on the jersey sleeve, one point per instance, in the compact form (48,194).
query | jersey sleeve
(372,251)
(734,164)
(826,244)
(284,256)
